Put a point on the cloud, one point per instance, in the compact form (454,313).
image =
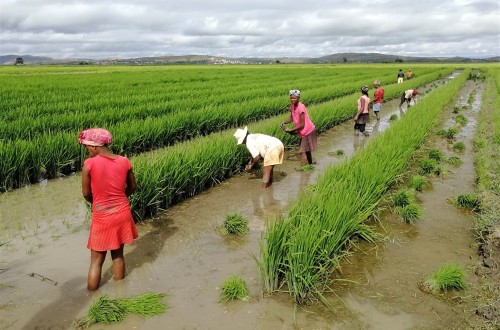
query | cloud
(96,29)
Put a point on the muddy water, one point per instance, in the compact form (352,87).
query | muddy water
(181,253)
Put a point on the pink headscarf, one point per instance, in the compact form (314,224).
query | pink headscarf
(95,137)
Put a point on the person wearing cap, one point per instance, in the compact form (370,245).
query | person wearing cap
(401,76)
(407,96)
(261,146)
(378,98)
(107,181)
(303,127)
(363,114)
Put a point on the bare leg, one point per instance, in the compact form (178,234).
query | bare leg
(118,263)
(267,176)
(94,278)
(303,159)
(309,157)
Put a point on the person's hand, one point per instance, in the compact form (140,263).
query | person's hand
(355,118)
(248,167)
(282,125)
(289,131)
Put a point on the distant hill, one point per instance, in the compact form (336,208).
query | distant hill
(207,59)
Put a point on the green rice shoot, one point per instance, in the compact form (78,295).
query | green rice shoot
(418,182)
(410,213)
(448,133)
(470,201)
(459,146)
(402,198)
(436,154)
(448,277)
(456,109)
(455,161)
(460,119)
(108,311)
(440,170)
(235,224)
(306,168)
(428,166)
(234,288)
(393,117)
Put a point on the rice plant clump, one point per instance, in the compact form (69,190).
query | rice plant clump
(440,170)
(448,277)
(235,224)
(460,119)
(428,165)
(306,168)
(393,117)
(339,152)
(418,182)
(459,146)
(436,154)
(402,198)
(448,133)
(454,161)
(470,201)
(456,109)
(107,311)
(234,288)
(410,213)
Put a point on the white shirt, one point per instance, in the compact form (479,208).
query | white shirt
(260,144)
(409,94)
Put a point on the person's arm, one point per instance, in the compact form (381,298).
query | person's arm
(302,123)
(360,110)
(289,120)
(131,184)
(86,189)
(252,162)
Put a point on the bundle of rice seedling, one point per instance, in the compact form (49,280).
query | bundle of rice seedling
(454,161)
(470,201)
(393,117)
(448,277)
(418,182)
(410,212)
(402,198)
(234,288)
(459,146)
(235,224)
(436,154)
(428,165)
(107,311)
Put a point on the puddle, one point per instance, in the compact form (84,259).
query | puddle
(182,254)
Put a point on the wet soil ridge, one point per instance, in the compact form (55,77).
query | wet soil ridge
(302,249)
(487,224)
(44,155)
(170,175)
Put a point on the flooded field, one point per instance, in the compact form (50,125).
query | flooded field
(44,232)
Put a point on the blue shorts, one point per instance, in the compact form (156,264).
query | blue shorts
(377,107)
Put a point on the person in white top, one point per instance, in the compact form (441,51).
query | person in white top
(407,96)
(261,146)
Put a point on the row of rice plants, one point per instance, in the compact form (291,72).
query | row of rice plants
(112,111)
(130,138)
(302,249)
(169,175)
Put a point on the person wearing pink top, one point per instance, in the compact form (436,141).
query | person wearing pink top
(363,114)
(303,127)
(107,181)
(378,98)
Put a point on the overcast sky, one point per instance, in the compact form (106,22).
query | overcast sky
(257,28)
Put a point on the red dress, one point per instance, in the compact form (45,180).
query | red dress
(112,223)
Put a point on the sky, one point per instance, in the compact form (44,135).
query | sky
(97,29)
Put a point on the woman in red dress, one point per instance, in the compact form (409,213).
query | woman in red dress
(107,181)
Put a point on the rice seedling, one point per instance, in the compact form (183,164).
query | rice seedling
(427,166)
(455,161)
(306,168)
(418,182)
(440,170)
(456,109)
(393,117)
(465,107)
(235,224)
(410,213)
(234,288)
(402,198)
(339,152)
(448,277)
(470,201)
(436,154)
(460,146)
(448,133)
(108,311)
(460,119)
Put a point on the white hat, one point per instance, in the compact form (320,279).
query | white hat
(241,134)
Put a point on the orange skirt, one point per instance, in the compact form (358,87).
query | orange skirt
(109,230)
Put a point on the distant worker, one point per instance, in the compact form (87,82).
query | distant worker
(303,127)
(378,98)
(408,96)
(261,146)
(409,75)
(401,76)
(363,115)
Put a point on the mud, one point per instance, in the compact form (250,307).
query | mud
(44,228)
